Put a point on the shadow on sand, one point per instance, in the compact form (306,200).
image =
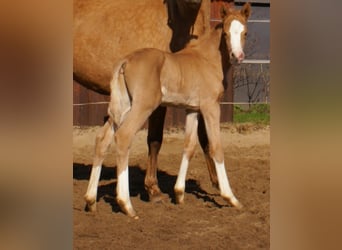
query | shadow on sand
(136,184)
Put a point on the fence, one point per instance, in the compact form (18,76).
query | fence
(252,82)
(90,108)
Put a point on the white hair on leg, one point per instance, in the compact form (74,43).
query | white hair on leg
(180,183)
(123,196)
(225,188)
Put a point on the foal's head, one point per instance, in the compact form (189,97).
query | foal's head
(235,31)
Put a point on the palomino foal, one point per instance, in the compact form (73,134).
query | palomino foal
(191,78)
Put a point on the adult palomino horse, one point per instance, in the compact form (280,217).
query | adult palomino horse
(107,30)
(191,78)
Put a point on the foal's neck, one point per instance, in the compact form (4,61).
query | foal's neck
(209,45)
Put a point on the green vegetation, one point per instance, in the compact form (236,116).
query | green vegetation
(254,113)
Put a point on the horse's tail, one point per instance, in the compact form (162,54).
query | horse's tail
(120,102)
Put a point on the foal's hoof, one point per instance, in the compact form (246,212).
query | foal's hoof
(90,205)
(127,210)
(233,201)
(237,204)
(179,195)
(155,195)
(132,214)
(159,197)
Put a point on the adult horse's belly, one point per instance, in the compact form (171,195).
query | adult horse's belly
(107,30)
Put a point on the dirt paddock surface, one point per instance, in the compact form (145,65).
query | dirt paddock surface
(204,221)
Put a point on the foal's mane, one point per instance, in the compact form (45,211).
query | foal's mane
(195,42)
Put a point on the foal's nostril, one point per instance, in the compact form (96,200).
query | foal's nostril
(241,56)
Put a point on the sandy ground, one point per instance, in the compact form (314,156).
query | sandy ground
(204,221)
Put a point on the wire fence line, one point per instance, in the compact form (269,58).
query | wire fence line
(89,103)
(221,103)
(256,61)
(243,103)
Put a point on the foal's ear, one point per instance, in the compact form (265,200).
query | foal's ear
(246,10)
(227,9)
(223,12)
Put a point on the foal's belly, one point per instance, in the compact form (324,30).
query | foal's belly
(178,99)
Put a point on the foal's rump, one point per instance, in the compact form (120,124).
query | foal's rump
(142,70)
(120,102)
(136,77)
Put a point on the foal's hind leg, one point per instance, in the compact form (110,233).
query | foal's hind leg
(133,121)
(204,142)
(154,141)
(211,115)
(104,139)
(189,148)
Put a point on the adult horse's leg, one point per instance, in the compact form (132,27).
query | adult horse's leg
(154,141)
(104,139)
(204,142)
(211,115)
(189,149)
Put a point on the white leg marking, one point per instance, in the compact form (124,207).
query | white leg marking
(93,183)
(122,196)
(180,183)
(225,189)
(122,189)
(191,125)
(235,37)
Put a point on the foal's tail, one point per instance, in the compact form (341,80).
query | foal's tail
(120,101)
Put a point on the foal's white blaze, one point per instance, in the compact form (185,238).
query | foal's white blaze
(180,183)
(235,30)
(93,182)
(225,188)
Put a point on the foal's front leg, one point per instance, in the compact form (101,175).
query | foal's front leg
(204,142)
(104,139)
(211,115)
(191,125)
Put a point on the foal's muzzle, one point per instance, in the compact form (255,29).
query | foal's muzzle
(236,58)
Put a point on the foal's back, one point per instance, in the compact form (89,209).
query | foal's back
(179,79)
